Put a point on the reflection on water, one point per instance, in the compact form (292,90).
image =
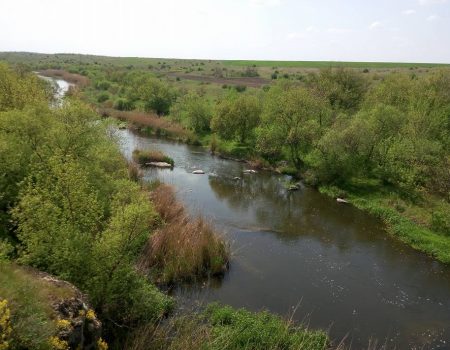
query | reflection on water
(302,248)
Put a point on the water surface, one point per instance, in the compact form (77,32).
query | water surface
(301,250)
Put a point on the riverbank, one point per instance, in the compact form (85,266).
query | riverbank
(405,220)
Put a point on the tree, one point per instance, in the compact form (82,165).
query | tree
(194,111)
(343,88)
(236,116)
(157,96)
(293,119)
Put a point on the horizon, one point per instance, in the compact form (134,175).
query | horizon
(413,31)
(228,59)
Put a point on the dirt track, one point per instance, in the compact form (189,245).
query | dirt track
(255,82)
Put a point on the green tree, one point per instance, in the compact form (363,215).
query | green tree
(157,96)
(236,116)
(293,119)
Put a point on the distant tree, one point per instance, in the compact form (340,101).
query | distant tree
(157,96)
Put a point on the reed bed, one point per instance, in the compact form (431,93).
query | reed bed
(184,248)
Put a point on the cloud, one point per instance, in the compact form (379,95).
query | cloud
(375,25)
(432,2)
(409,12)
(432,18)
(265,3)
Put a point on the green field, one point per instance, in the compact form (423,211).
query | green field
(327,64)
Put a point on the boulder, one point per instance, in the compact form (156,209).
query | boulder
(159,164)
(341,200)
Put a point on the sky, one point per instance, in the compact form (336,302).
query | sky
(304,30)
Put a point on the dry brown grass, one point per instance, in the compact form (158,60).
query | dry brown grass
(138,119)
(77,79)
(184,248)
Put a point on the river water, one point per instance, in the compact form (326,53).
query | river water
(330,265)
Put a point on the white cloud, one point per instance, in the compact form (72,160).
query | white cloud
(375,25)
(432,2)
(409,12)
(265,3)
(432,18)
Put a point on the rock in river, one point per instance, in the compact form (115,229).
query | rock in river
(159,164)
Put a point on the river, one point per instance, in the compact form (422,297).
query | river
(332,264)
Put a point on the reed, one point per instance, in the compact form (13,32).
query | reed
(184,248)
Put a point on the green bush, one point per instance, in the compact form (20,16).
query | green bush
(103,97)
(124,105)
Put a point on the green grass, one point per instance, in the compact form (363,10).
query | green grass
(30,298)
(406,219)
(326,64)
(225,328)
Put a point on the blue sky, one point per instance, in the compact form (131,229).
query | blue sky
(346,30)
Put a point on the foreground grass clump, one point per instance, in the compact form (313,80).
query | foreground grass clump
(143,157)
(29,301)
(184,248)
(225,328)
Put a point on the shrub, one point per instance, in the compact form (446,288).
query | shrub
(440,221)
(124,105)
(103,97)
(240,88)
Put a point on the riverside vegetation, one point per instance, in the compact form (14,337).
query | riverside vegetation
(70,205)
(377,134)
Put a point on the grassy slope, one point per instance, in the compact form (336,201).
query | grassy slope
(29,298)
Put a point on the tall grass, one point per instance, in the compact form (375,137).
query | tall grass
(184,248)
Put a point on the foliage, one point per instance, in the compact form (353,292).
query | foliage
(194,111)
(236,117)
(293,118)
(18,91)
(157,95)
(5,325)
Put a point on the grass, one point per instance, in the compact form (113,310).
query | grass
(327,64)
(406,219)
(30,299)
(184,248)
(225,328)
(143,157)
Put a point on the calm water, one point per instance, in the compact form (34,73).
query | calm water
(333,263)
